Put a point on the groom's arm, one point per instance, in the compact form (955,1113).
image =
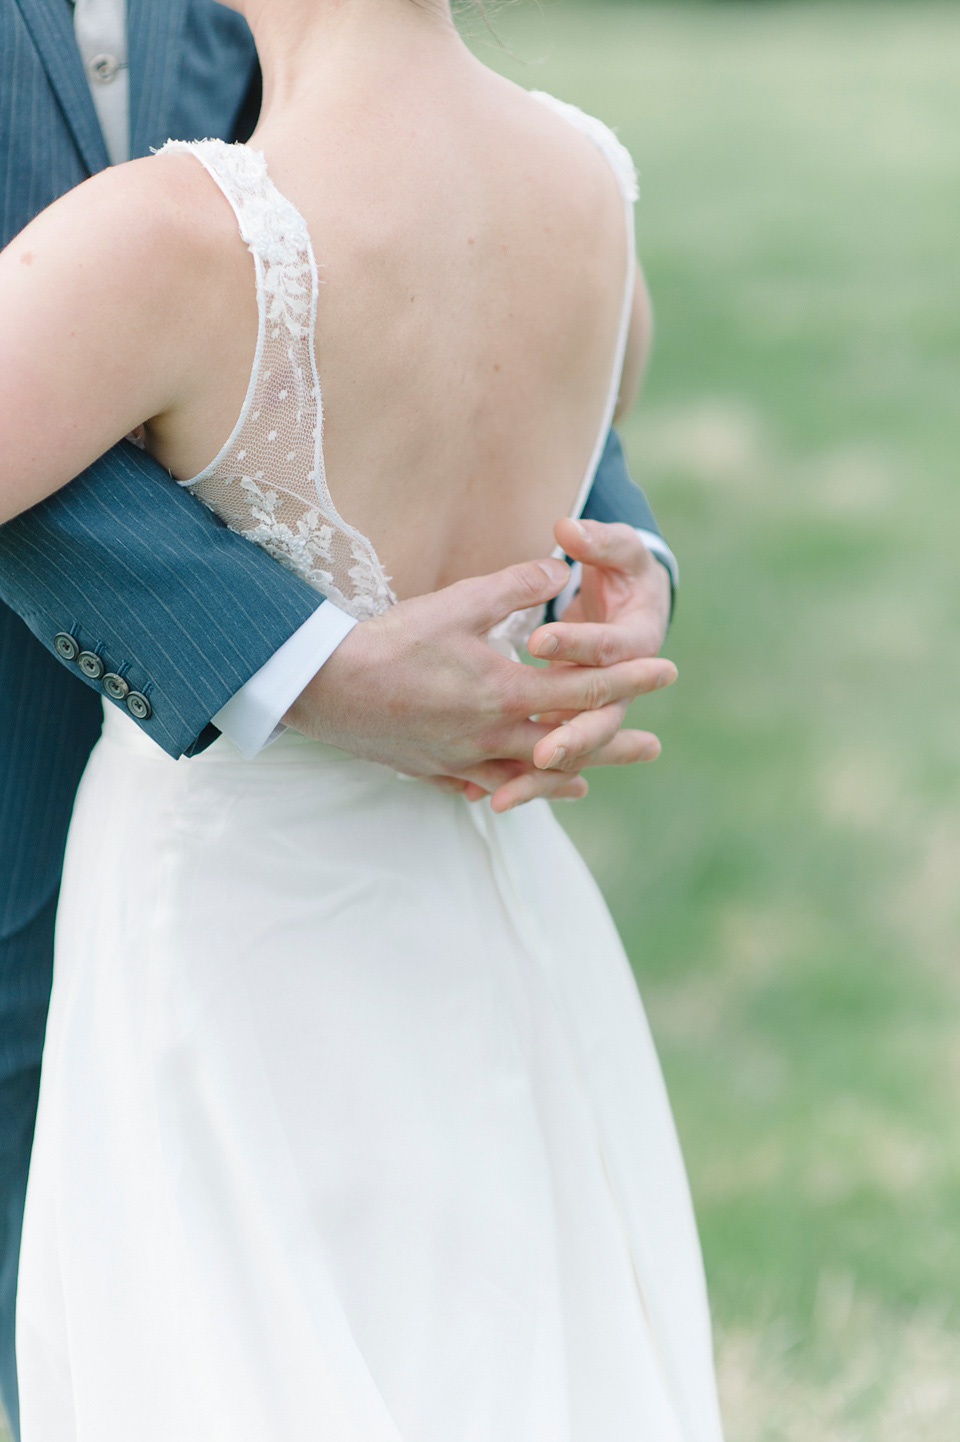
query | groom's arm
(147,598)
(615,496)
(138,589)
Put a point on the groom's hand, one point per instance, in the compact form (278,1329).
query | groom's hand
(421,690)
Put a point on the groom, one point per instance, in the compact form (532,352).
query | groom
(123,586)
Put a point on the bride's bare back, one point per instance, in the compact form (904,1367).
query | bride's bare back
(472,255)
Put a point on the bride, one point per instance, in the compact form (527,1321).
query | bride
(351,1126)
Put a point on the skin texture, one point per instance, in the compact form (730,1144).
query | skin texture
(151,249)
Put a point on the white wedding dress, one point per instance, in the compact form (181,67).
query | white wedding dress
(351,1127)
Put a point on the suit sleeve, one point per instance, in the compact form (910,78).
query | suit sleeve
(614,496)
(144,595)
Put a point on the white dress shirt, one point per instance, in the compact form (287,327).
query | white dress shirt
(252,718)
(101,30)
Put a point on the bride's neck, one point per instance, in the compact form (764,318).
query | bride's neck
(321,52)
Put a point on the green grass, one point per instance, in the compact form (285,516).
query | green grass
(787,877)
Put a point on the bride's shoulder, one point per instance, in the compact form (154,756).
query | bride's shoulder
(132,270)
(144,223)
(571,136)
(602,136)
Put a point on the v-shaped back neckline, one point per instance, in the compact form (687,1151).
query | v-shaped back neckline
(301,524)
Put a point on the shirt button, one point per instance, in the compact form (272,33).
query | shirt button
(66,646)
(91,665)
(104,68)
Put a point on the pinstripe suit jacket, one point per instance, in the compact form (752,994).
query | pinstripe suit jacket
(131,566)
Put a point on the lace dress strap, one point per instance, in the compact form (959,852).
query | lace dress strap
(274,230)
(610,146)
(269,481)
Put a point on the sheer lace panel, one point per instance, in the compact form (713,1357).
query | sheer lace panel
(269,480)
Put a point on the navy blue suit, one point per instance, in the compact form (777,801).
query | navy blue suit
(121,564)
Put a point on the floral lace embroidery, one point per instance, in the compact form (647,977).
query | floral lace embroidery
(269,480)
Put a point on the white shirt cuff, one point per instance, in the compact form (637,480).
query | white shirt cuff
(659,548)
(251,719)
(654,543)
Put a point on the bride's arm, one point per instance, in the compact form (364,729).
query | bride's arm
(101,302)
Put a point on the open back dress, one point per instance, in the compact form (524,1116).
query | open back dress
(351,1126)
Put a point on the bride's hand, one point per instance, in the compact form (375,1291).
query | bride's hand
(620,613)
(622,609)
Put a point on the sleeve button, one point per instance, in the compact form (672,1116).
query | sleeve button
(91,665)
(66,646)
(138,706)
(116,687)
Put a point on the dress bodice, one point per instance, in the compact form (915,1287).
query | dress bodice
(269,480)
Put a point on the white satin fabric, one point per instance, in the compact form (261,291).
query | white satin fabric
(351,1125)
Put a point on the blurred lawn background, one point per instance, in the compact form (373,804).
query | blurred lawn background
(787,876)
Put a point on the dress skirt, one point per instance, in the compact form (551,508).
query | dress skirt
(351,1127)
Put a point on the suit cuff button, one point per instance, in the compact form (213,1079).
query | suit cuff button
(91,665)
(66,646)
(116,687)
(138,706)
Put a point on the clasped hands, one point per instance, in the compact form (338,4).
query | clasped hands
(419,689)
